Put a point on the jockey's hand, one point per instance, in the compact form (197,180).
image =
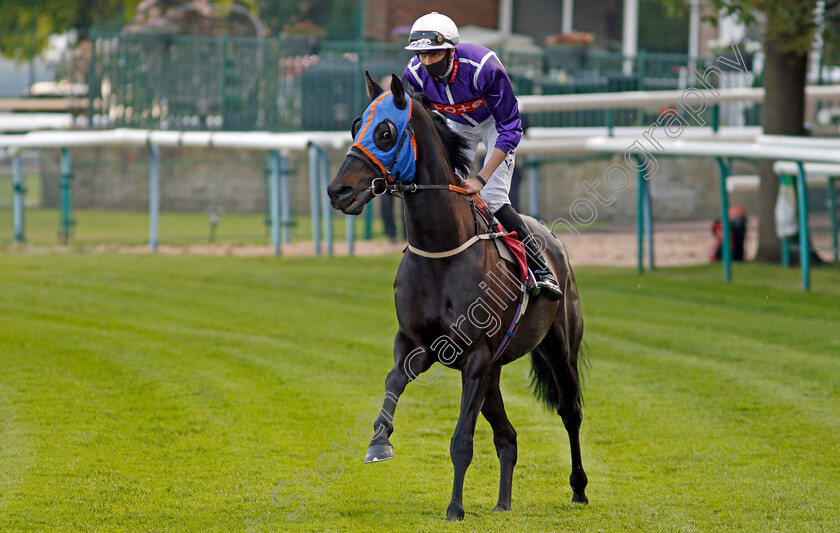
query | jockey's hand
(472,185)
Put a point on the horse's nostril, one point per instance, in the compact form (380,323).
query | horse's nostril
(336,190)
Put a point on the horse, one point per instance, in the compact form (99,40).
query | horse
(452,292)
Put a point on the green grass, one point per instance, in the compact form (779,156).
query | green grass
(155,393)
(93,227)
(31,182)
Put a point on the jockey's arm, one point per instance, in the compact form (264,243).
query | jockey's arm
(472,185)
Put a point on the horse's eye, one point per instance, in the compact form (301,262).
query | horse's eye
(385,135)
(357,124)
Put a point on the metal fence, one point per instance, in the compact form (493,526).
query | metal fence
(230,83)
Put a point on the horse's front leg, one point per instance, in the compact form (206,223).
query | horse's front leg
(475,379)
(410,361)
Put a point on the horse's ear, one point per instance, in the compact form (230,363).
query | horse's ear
(373,88)
(398,91)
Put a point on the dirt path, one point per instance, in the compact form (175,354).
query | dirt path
(674,245)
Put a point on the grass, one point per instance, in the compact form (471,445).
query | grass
(94,227)
(153,393)
(30,182)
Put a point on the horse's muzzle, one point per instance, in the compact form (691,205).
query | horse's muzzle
(341,195)
(346,199)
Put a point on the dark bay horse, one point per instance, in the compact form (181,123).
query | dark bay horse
(455,300)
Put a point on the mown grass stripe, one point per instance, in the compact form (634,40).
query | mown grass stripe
(172,393)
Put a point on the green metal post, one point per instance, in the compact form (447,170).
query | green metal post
(640,219)
(65,185)
(832,211)
(18,191)
(725,251)
(804,237)
(648,221)
(786,252)
(610,123)
(715,118)
(369,221)
(285,199)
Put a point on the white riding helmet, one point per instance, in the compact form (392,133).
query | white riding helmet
(433,32)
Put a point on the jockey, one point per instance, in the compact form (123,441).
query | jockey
(469,86)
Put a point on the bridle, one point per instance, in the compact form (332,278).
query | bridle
(385,183)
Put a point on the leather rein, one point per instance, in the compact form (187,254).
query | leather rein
(381,185)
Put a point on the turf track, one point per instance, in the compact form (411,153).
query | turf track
(142,393)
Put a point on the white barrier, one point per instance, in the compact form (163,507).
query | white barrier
(657,99)
(574,142)
(797,152)
(22,122)
(278,144)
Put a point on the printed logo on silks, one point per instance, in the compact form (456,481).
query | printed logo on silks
(385,136)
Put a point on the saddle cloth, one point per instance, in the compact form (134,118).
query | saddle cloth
(511,250)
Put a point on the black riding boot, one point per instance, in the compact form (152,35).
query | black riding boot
(545,282)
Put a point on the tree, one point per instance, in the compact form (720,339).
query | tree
(789,30)
(340,18)
(27,24)
(790,27)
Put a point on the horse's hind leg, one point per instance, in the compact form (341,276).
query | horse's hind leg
(504,437)
(408,364)
(561,355)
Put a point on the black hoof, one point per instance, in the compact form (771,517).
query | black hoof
(580,498)
(379,452)
(500,508)
(455,512)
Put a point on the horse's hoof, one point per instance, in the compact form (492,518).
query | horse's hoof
(455,512)
(379,452)
(580,498)
(500,508)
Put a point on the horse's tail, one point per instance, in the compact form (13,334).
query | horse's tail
(543,384)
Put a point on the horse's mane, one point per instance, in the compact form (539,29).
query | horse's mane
(456,146)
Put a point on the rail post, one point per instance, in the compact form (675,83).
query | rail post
(313,198)
(832,210)
(274,199)
(285,199)
(326,210)
(65,186)
(804,237)
(725,252)
(154,196)
(644,219)
(18,190)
